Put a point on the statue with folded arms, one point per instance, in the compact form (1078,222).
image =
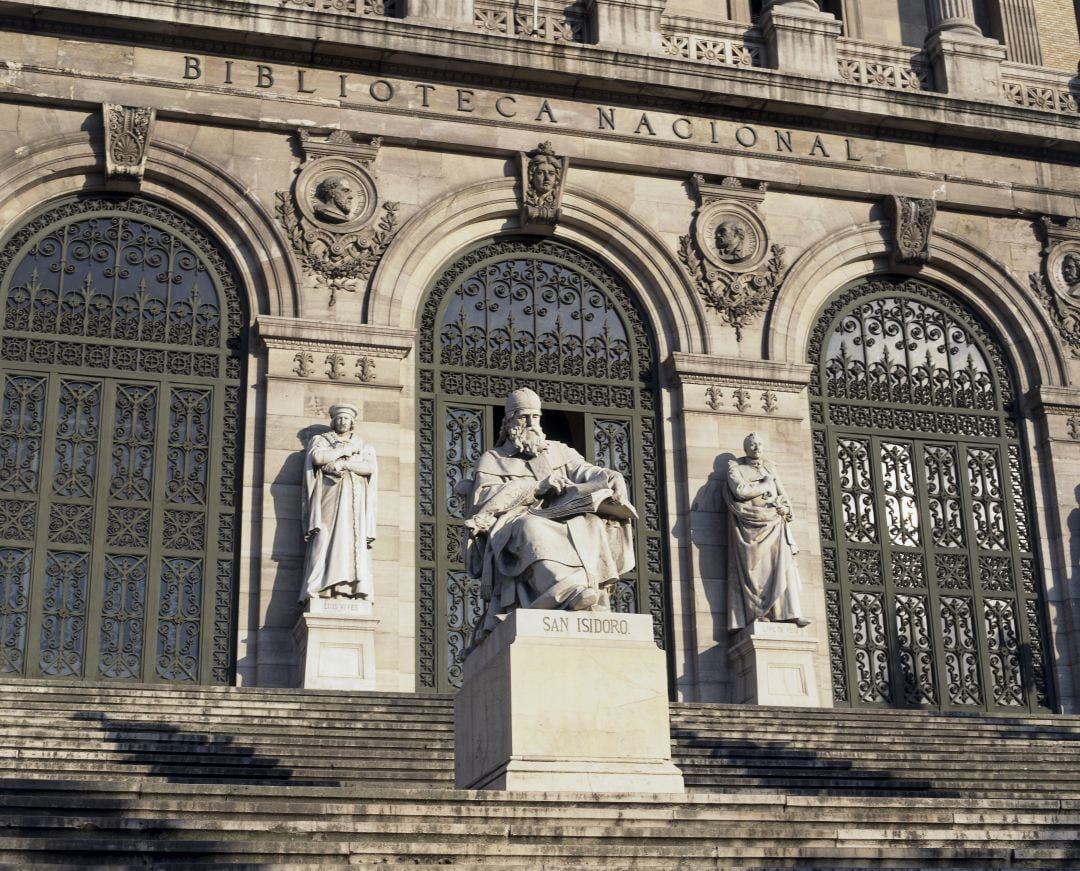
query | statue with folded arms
(339,501)
(763,579)
(546,529)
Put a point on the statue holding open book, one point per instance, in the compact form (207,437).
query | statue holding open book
(546,529)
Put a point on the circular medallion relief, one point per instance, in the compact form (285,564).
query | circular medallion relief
(336,194)
(1063,267)
(732,236)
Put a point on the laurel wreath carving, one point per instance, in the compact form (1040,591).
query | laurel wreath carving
(738,298)
(339,261)
(1065,315)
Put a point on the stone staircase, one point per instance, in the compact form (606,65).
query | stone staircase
(134,777)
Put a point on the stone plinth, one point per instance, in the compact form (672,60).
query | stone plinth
(335,644)
(445,12)
(561,701)
(626,24)
(800,39)
(773,664)
(966,65)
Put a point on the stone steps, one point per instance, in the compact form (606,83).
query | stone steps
(107,776)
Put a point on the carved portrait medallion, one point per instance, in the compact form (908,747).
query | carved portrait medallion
(336,194)
(731,236)
(1063,269)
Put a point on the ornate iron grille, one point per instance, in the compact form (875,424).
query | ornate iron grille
(931,582)
(539,314)
(120,365)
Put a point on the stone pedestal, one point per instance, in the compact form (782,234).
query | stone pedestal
(966,65)
(452,13)
(801,39)
(773,664)
(565,701)
(626,24)
(335,643)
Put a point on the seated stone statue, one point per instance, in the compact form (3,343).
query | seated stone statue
(763,579)
(546,529)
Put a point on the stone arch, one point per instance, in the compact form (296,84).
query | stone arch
(956,265)
(234,217)
(461,220)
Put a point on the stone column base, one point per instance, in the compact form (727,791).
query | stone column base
(966,66)
(801,40)
(335,643)
(563,701)
(773,664)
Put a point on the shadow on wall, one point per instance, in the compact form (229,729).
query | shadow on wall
(708,532)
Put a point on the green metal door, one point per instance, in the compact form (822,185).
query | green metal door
(539,314)
(932,587)
(120,365)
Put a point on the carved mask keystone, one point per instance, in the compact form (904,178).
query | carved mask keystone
(1058,286)
(332,215)
(913,225)
(127,137)
(728,253)
(543,175)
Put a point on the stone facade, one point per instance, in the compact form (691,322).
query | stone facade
(438,101)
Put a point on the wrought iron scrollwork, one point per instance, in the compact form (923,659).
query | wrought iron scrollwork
(922,501)
(129,478)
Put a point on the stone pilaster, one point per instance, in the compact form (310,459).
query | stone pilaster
(1021,32)
(966,63)
(455,13)
(800,38)
(625,24)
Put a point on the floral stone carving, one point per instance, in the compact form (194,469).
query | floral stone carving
(332,215)
(728,254)
(1059,284)
(127,136)
(543,174)
(913,225)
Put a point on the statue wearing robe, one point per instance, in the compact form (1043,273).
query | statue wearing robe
(763,578)
(339,512)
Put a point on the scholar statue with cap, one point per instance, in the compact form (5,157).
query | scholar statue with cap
(339,501)
(546,529)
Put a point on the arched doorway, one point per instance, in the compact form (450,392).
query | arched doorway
(121,364)
(537,313)
(932,587)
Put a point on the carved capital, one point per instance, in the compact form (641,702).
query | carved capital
(543,176)
(912,228)
(332,215)
(127,137)
(728,253)
(1058,285)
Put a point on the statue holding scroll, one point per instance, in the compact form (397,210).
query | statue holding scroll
(546,529)
(763,579)
(339,500)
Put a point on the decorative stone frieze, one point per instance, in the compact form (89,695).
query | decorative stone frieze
(1058,286)
(733,386)
(728,253)
(912,229)
(543,176)
(332,215)
(127,137)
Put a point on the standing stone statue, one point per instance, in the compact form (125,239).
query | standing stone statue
(546,529)
(763,579)
(339,500)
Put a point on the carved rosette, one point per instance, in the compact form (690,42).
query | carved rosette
(127,136)
(543,176)
(728,254)
(332,215)
(912,228)
(1058,286)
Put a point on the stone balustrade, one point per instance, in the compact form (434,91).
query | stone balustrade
(387,8)
(1038,88)
(546,22)
(729,44)
(883,66)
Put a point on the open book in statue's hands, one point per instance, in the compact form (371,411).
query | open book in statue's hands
(596,497)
